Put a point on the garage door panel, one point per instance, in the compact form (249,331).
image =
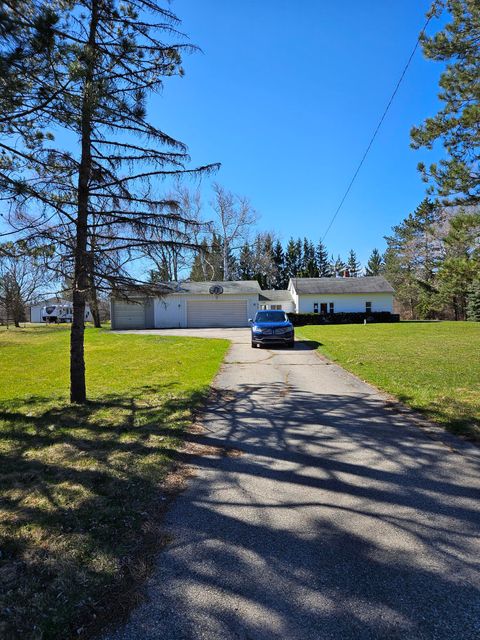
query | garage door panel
(129,315)
(217,313)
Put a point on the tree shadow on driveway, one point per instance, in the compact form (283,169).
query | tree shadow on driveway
(337,519)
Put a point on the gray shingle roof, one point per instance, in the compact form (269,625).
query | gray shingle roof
(367,284)
(232,286)
(276,294)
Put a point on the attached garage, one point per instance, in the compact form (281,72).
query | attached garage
(128,315)
(190,304)
(217,313)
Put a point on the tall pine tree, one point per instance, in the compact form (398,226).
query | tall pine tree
(457,47)
(281,279)
(353,265)
(293,258)
(374,264)
(323,265)
(104,59)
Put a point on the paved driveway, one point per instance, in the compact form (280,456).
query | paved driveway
(337,518)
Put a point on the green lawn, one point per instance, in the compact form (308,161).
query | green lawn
(431,366)
(79,492)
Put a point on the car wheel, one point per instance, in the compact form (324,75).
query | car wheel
(253,345)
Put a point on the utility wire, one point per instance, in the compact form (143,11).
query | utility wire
(372,139)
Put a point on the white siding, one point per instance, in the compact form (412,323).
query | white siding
(217,313)
(347,302)
(287,305)
(171,310)
(36,313)
(128,315)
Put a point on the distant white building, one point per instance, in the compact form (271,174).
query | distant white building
(44,308)
(231,304)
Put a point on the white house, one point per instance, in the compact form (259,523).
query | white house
(231,304)
(337,295)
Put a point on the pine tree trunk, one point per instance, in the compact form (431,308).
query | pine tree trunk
(93,297)
(78,392)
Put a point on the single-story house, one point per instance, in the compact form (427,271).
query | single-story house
(341,295)
(231,304)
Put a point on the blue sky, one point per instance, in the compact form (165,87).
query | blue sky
(286,96)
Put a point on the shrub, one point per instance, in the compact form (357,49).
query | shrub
(300,319)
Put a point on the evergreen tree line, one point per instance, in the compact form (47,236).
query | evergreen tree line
(432,260)
(272,264)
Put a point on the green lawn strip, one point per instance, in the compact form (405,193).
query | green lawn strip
(79,485)
(433,367)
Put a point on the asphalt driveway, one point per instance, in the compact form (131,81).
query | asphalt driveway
(331,516)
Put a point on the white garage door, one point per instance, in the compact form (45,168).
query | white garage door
(217,313)
(128,315)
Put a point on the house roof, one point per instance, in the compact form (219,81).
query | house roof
(365,284)
(276,294)
(229,287)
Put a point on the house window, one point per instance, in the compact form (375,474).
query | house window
(278,307)
(315,307)
(323,307)
(368,307)
(332,308)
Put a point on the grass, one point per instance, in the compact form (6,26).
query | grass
(433,367)
(79,486)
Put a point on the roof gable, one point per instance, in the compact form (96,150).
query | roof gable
(280,295)
(364,284)
(229,287)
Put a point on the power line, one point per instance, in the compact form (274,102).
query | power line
(372,139)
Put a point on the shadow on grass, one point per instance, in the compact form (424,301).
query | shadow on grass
(300,345)
(80,503)
(460,418)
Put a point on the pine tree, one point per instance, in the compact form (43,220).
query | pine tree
(281,281)
(103,60)
(353,265)
(309,263)
(245,262)
(459,269)
(375,264)
(456,124)
(323,266)
(293,258)
(417,248)
(473,304)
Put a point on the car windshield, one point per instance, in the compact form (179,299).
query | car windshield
(271,316)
